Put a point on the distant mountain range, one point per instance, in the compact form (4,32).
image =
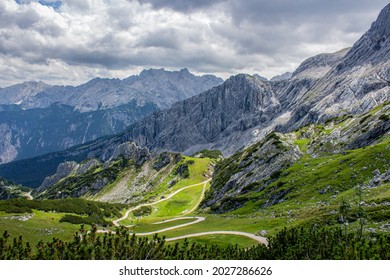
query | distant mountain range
(245,109)
(36,118)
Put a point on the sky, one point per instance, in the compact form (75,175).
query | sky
(72,41)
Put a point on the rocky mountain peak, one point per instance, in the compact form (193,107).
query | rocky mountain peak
(184,71)
(247,87)
(241,79)
(381,27)
(151,72)
(257,76)
(373,46)
(282,77)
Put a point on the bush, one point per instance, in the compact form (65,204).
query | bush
(183,170)
(71,205)
(384,117)
(310,243)
(142,211)
(208,154)
(90,220)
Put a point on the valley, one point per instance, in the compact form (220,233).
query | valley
(169,165)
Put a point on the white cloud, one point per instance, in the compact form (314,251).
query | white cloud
(71,41)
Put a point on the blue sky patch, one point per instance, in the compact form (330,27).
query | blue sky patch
(56,4)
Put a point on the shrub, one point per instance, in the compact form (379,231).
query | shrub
(142,211)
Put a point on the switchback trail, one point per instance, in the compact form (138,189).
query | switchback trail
(252,236)
(182,217)
(161,200)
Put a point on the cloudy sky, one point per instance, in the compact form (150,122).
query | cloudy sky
(72,41)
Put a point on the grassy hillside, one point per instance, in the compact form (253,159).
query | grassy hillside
(305,177)
(43,220)
(62,217)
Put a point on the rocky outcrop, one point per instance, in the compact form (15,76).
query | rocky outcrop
(66,169)
(373,47)
(379,178)
(319,65)
(285,76)
(358,82)
(126,153)
(130,151)
(87,165)
(63,171)
(130,173)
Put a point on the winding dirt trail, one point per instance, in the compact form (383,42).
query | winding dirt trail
(182,217)
(252,236)
(161,200)
(198,220)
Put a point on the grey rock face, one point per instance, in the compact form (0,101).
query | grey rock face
(319,65)
(163,160)
(373,46)
(130,151)
(8,146)
(16,94)
(89,164)
(222,112)
(285,76)
(63,171)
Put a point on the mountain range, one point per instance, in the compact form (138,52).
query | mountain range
(36,118)
(245,109)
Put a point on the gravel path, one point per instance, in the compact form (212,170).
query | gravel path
(252,236)
(197,220)
(164,199)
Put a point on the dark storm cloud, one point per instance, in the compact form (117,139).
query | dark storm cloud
(269,27)
(182,5)
(82,38)
(285,11)
(164,38)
